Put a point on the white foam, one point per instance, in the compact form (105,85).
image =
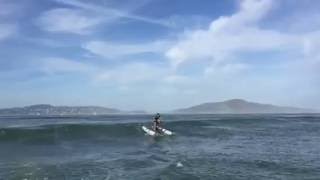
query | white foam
(179,164)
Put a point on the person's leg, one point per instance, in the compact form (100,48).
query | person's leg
(158,130)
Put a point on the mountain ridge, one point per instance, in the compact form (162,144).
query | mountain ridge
(240,106)
(47,109)
(232,106)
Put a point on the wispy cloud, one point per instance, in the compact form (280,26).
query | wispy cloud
(113,50)
(124,75)
(7,30)
(62,65)
(7,8)
(7,27)
(68,20)
(84,16)
(114,13)
(130,74)
(177,79)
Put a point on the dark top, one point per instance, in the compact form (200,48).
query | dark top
(157,120)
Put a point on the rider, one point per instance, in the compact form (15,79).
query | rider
(156,123)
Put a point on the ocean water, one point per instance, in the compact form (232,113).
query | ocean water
(203,147)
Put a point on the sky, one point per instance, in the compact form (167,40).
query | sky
(158,55)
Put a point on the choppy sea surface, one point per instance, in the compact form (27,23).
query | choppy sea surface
(111,147)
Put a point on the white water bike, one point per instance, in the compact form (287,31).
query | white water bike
(153,133)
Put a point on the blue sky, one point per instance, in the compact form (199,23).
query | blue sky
(159,55)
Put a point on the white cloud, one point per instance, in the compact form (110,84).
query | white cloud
(113,50)
(221,44)
(227,36)
(68,20)
(293,57)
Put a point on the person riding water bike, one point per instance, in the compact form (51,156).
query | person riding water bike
(156,123)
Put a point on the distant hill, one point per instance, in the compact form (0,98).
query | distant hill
(45,109)
(234,106)
(239,106)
